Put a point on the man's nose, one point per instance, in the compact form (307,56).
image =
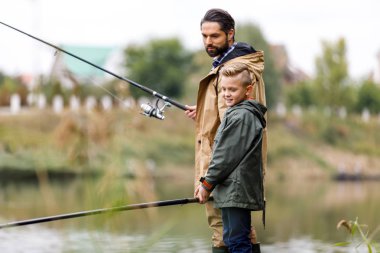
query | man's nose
(208,41)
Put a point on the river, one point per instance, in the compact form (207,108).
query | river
(301,216)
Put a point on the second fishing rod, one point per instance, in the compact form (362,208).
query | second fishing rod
(148,110)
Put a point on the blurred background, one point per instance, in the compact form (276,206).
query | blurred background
(72,137)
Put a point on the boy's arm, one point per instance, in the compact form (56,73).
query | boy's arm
(234,142)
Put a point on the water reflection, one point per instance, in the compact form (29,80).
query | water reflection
(301,217)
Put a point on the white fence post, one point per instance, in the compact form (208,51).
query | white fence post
(128,103)
(15,104)
(297,110)
(41,101)
(281,110)
(57,104)
(90,103)
(342,112)
(106,102)
(74,103)
(366,115)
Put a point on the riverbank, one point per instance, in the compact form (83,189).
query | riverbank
(86,144)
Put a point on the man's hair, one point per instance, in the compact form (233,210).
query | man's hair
(220,16)
(238,68)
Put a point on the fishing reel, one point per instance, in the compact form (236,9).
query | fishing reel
(154,111)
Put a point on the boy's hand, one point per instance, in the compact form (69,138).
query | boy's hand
(191,111)
(201,194)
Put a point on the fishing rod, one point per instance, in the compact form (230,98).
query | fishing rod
(147,109)
(103,211)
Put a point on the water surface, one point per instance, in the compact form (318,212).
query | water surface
(301,216)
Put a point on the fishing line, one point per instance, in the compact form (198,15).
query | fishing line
(148,109)
(92,81)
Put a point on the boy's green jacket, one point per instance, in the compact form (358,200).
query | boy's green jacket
(236,170)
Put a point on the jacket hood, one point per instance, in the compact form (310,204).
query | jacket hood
(254,107)
(241,49)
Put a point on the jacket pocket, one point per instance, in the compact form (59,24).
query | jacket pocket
(227,190)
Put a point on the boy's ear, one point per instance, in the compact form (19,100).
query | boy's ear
(249,90)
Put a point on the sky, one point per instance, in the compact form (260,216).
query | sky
(299,25)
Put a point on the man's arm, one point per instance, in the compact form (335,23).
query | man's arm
(191,111)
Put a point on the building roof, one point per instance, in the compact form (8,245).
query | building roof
(70,71)
(95,55)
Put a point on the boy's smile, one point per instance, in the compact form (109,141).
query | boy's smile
(233,90)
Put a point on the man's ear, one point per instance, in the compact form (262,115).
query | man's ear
(231,34)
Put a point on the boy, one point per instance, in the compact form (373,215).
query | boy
(235,173)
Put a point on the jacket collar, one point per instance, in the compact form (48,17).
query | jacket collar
(235,50)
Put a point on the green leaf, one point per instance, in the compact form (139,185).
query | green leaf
(354,228)
(342,244)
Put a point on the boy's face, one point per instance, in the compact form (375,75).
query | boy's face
(233,90)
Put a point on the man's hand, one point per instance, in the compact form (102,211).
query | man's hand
(201,194)
(191,111)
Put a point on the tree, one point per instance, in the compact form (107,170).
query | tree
(8,86)
(302,93)
(332,80)
(369,97)
(252,35)
(161,65)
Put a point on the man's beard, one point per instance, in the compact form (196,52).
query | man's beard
(217,50)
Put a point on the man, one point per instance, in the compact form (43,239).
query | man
(218,32)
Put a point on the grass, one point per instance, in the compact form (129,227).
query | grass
(93,142)
(359,236)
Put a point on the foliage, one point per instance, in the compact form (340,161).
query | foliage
(200,65)
(51,89)
(332,86)
(82,141)
(302,94)
(92,140)
(349,134)
(9,86)
(161,65)
(366,238)
(332,80)
(292,142)
(253,35)
(368,97)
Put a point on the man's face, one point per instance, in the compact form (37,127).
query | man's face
(215,40)
(233,90)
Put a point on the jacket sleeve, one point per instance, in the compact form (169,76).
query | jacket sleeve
(230,146)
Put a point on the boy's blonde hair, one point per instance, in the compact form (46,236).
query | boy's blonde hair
(235,69)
